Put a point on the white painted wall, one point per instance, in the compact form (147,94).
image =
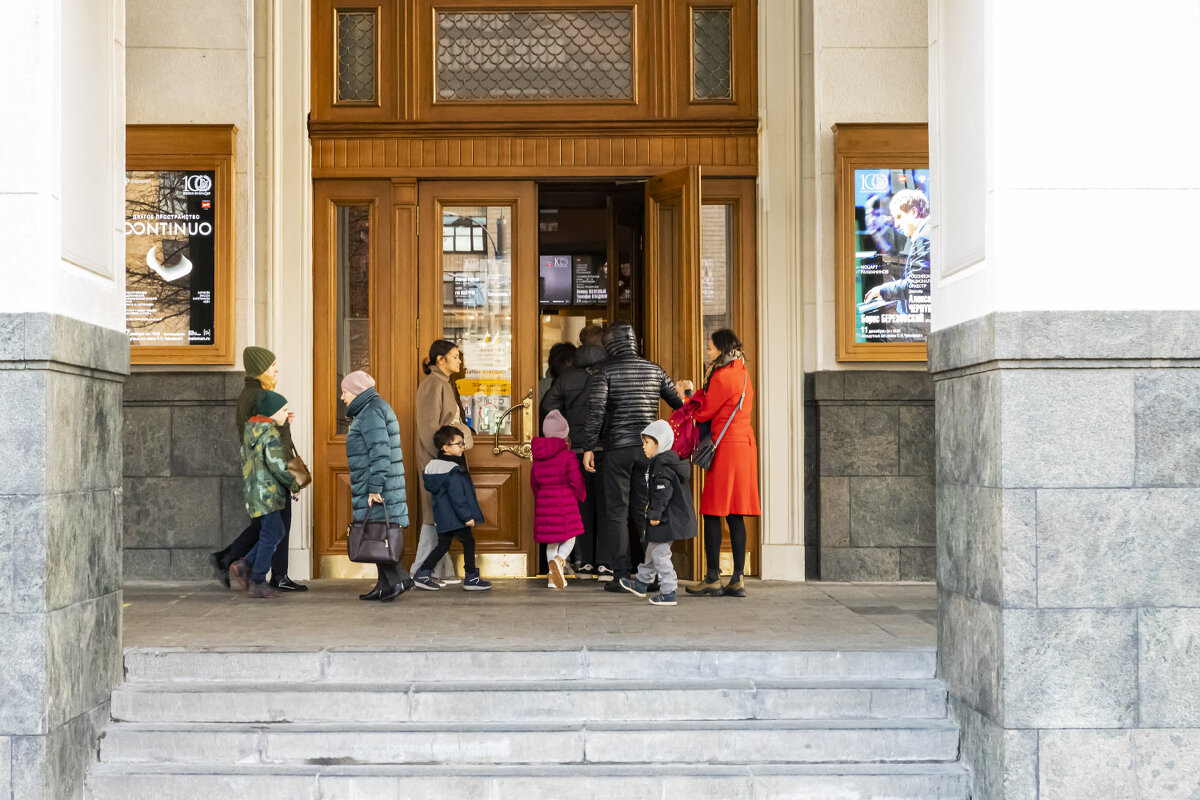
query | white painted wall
(62,172)
(193,63)
(863,61)
(1068,140)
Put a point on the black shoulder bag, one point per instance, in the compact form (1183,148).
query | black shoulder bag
(706,449)
(375,541)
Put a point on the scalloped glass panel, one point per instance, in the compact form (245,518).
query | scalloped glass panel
(355,56)
(712,53)
(535,55)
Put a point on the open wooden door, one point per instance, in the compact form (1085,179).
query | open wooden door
(479,289)
(674,327)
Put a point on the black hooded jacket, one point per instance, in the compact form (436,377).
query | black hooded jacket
(668,500)
(623,393)
(568,393)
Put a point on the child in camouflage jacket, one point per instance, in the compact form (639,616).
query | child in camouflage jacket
(267,487)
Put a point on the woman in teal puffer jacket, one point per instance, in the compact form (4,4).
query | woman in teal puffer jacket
(376,471)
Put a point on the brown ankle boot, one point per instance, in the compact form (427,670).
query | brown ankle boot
(706,588)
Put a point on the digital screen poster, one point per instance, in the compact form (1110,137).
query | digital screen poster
(555,280)
(891,255)
(170,257)
(591,281)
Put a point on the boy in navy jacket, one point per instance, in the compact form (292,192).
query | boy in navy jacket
(455,509)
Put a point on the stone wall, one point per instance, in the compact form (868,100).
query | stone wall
(183,480)
(60,548)
(874,462)
(1068,567)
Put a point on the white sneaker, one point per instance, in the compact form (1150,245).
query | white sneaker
(604,574)
(556,572)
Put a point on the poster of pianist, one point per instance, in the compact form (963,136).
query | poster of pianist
(170,257)
(891,255)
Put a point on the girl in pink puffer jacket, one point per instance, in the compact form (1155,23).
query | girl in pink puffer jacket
(557,492)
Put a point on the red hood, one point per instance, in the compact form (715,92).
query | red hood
(545,447)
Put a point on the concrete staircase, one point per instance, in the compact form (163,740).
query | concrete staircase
(553,724)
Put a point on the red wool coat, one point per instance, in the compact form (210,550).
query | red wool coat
(557,491)
(731,486)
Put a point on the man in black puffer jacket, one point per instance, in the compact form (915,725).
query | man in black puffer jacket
(622,399)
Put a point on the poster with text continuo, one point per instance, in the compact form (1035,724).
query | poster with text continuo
(891,255)
(170,257)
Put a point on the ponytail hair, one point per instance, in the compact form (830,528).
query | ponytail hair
(726,341)
(436,350)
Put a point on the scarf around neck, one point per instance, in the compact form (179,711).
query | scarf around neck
(723,360)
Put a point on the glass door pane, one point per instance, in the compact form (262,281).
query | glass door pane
(353,243)
(476,265)
(716,264)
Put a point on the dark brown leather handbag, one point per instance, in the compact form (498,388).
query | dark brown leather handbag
(371,541)
(298,469)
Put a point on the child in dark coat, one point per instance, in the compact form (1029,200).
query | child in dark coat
(668,514)
(455,509)
(557,492)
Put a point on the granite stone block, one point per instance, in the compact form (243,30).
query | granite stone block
(829,385)
(192,564)
(234,517)
(146,441)
(1118,547)
(83,433)
(1174,334)
(150,564)
(203,441)
(1052,420)
(967,432)
(1004,762)
(83,558)
(918,449)
(83,656)
(1087,764)
(53,766)
(854,564)
(5,742)
(859,440)
(888,385)
(65,340)
(12,339)
(1169,667)
(172,512)
(1167,413)
(23,681)
(835,512)
(970,657)
(23,431)
(1167,763)
(1069,668)
(176,387)
(892,511)
(22,549)
(918,564)
(987,543)
(964,345)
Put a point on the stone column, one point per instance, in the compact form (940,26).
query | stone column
(1067,399)
(63,356)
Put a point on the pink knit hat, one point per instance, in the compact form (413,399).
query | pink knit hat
(357,382)
(555,425)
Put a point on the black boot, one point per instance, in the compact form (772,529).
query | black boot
(286,584)
(392,592)
(375,593)
(219,567)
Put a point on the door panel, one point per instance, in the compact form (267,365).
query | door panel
(478,288)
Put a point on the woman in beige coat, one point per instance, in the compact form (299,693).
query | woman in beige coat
(437,404)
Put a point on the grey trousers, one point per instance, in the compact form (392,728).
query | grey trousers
(425,545)
(658,559)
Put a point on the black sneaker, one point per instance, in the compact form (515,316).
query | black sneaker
(426,582)
(286,584)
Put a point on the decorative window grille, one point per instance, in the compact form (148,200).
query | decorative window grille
(356,31)
(712,53)
(535,55)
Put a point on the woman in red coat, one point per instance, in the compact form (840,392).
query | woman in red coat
(731,486)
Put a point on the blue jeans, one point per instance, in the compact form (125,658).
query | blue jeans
(271,534)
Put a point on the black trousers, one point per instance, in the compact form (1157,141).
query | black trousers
(465,537)
(246,540)
(712,544)
(591,510)
(617,469)
(391,574)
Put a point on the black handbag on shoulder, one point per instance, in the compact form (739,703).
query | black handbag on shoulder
(375,541)
(706,449)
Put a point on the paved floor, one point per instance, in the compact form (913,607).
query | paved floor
(519,614)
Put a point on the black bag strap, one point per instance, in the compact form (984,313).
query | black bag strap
(367,516)
(729,421)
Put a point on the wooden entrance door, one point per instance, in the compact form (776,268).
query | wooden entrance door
(478,287)
(364,293)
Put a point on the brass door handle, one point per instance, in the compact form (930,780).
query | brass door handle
(524,449)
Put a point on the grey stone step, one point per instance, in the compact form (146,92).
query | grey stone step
(348,665)
(737,742)
(526,701)
(578,782)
